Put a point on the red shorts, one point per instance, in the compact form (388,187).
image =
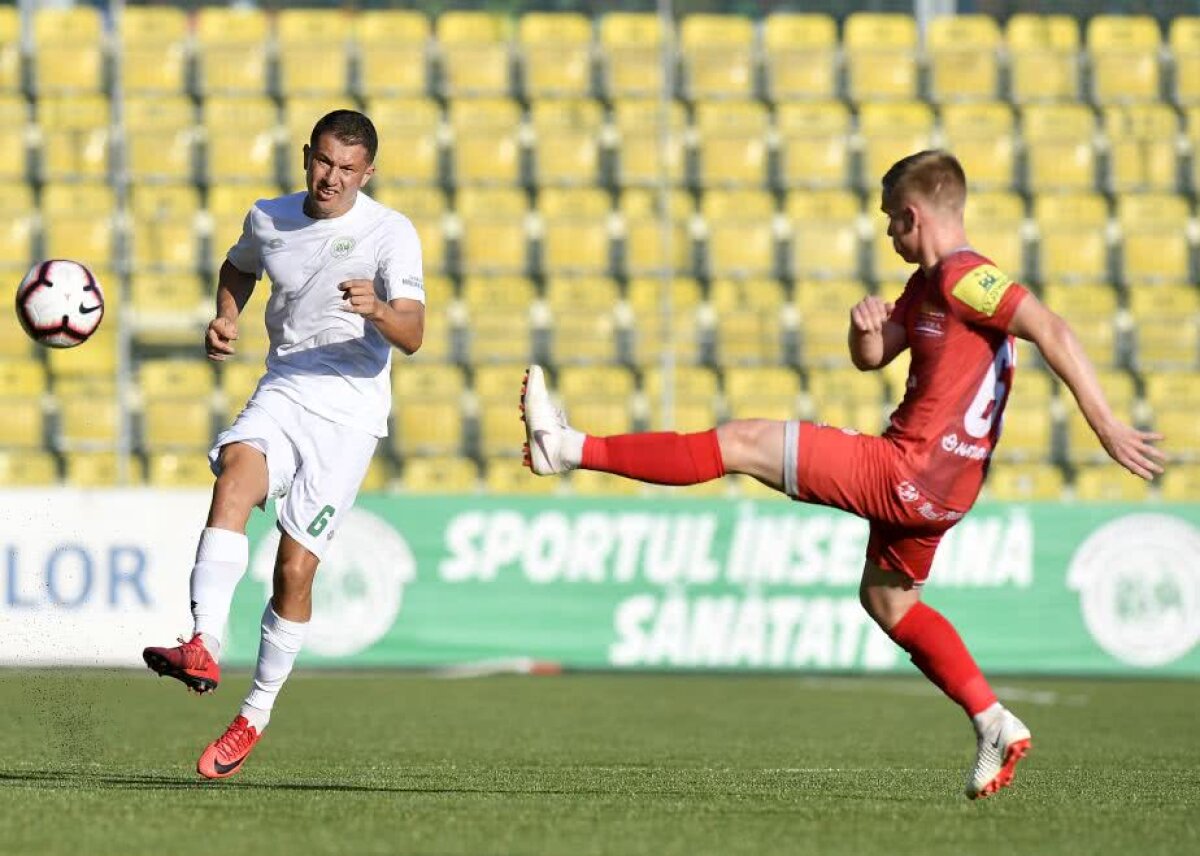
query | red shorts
(863,474)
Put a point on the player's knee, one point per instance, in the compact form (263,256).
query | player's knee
(881,606)
(243,476)
(741,442)
(293,580)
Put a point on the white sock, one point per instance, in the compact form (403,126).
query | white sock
(221,560)
(281,642)
(571,451)
(987,716)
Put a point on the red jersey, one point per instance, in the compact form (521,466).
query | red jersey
(956,319)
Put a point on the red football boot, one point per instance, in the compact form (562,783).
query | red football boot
(224,756)
(189,662)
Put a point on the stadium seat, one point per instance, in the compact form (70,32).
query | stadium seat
(767,392)
(498,315)
(631,54)
(1082,302)
(575,231)
(68,50)
(566,141)
(1181,428)
(175,378)
(732,143)
(507,476)
(799,55)
(880,50)
(169,308)
(747,320)
(102,469)
(392,46)
(97,360)
(487,148)
(22,379)
(824,316)
(583,328)
(427,425)
(1154,240)
(17,230)
(963,57)
(1184,39)
(824,240)
(426,208)
(176,424)
(231,50)
(82,236)
(154,49)
(1043,57)
(1124,53)
(88,421)
(1165,343)
(239,139)
(300,114)
(891,131)
(23,423)
(474,50)
(1082,445)
(26,468)
(494,230)
(1142,147)
(312,57)
(75,137)
(164,229)
(556,54)
(654,241)
(15,131)
(718,56)
(649,330)
(1060,155)
(981,135)
(14,344)
(10,49)
(171,470)
(501,432)
(1027,432)
(1180,484)
(1165,390)
(694,395)
(160,133)
(412,382)
(238,382)
(1072,237)
(440,475)
(1109,483)
(639,125)
(740,231)
(1024,483)
(814,143)
(995,221)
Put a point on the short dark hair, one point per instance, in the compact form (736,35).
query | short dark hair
(349,127)
(934,174)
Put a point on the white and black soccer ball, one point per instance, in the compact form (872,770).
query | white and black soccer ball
(60,303)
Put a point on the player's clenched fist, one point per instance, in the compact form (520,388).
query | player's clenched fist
(359,296)
(870,314)
(218,341)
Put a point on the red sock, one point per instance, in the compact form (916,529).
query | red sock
(658,458)
(938,651)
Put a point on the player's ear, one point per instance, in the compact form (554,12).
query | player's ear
(367,173)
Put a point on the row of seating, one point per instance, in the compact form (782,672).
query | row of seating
(468,52)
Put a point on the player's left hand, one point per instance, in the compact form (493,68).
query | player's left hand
(1134,449)
(359,297)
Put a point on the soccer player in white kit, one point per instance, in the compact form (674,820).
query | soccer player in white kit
(347,287)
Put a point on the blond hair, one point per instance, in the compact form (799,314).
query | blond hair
(934,175)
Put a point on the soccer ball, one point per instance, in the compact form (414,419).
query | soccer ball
(59,303)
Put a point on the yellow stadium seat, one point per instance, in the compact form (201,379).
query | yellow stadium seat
(231,47)
(1027,432)
(641,160)
(426,208)
(1180,484)
(814,143)
(1072,237)
(240,139)
(556,54)
(169,308)
(176,424)
(1184,39)
(1024,483)
(593,483)
(1181,428)
(1109,483)
(68,55)
(88,237)
(717,52)
(507,476)
(748,336)
(995,222)
(1193,137)
(726,294)
(1043,57)
(844,384)
(981,136)
(15,131)
(799,54)
(486,141)
(631,50)
(654,240)
(10,49)
(300,114)
(165,244)
(866,417)
(474,50)
(824,316)
(603,416)
(1082,302)
(649,331)
(500,334)
(880,54)
(312,53)
(1164,343)
(238,382)
(825,241)
(1142,141)
(575,231)
(23,423)
(768,392)
(98,359)
(22,379)
(494,384)
(102,469)
(440,475)
(501,431)
(587,294)
(378,477)
(494,230)
(891,131)
(566,141)
(415,382)
(175,378)
(601,382)
(963,57)
(14,345)
(171,470)
(427,426)
(75,137)
(1123,50)
(1060,153)
(16,242)
(693,393)
(1174,389)
(584,338)
(1082,445)
(1154,242)
(154,49)
(740,233)
(732,143)
(27,468)
(160,132)
(391,52)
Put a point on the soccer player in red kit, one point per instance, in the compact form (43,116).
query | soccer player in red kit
(957,316)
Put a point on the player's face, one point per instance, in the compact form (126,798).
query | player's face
(902,227)
(334,172)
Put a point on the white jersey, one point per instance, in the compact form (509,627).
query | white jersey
(323,357)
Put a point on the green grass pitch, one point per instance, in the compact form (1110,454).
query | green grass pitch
(103,763)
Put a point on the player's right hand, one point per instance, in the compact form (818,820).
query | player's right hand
(870,314)
(218,341)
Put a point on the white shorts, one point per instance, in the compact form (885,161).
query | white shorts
(315,465)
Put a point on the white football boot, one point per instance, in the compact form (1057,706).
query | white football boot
(1002,743)
(546,429)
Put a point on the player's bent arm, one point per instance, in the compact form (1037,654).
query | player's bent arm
(234,288)
(874,349)
(402,322)
(1063,352)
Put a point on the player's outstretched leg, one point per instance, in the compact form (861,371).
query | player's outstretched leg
(1002,741)
(225,755)
(189,662)
(553,446)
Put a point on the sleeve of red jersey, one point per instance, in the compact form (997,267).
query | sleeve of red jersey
(983,295)
(900,308)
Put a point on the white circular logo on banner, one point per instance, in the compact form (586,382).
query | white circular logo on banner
(1139,588)
(359,586)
